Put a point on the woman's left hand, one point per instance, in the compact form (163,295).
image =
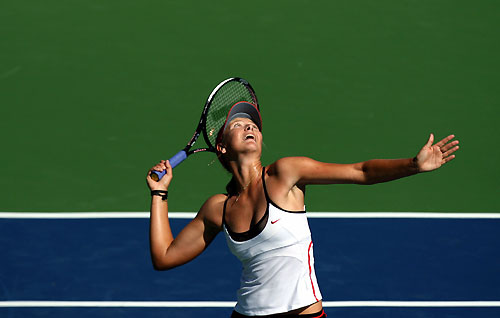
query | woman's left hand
(434,156)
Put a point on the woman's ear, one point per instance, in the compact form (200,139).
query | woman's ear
(220,148)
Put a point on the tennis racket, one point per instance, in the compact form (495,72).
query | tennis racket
(217,106)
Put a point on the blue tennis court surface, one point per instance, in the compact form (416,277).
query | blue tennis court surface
(363,260)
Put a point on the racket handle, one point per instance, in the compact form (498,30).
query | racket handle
(174,162)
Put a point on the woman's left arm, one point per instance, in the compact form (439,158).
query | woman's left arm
(430,157)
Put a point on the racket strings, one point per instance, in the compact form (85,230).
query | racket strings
(224,99)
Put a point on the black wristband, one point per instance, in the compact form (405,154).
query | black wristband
(162,193)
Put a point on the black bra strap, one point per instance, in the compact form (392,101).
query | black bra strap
(224,210)
(264,184)
(269,201)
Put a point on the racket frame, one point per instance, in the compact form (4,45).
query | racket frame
(201,128)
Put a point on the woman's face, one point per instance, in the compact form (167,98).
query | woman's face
(242,135)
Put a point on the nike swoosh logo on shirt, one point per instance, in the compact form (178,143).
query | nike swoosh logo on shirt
(272,222)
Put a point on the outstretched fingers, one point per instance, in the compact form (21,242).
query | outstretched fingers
(444,141)
(449,152)
(448,159)
(448,146)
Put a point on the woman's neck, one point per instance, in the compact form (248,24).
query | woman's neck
(245,173)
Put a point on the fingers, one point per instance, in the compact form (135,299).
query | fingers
(168,166)
(449,145)
(445,140)
(449,152)
(448,159)
(448,148)
(164,182)
(161,166)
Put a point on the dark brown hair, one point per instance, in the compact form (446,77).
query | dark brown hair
(231,187)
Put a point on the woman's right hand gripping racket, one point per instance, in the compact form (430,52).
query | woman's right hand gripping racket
(219,102)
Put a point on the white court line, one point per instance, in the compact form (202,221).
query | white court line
(411,303)
(166,304)
(230,304)
(190,215)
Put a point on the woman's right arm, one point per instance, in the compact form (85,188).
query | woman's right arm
(166,251)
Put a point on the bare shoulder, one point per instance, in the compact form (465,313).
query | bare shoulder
(289,166)
(212,209)
(288,171)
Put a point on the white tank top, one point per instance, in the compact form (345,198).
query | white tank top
(278,264)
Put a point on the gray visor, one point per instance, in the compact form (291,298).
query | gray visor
(244,110)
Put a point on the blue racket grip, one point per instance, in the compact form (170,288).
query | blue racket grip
(174,162)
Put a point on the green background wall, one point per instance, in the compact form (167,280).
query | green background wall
(93,93)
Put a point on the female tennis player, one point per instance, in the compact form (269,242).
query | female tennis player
(263,216)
